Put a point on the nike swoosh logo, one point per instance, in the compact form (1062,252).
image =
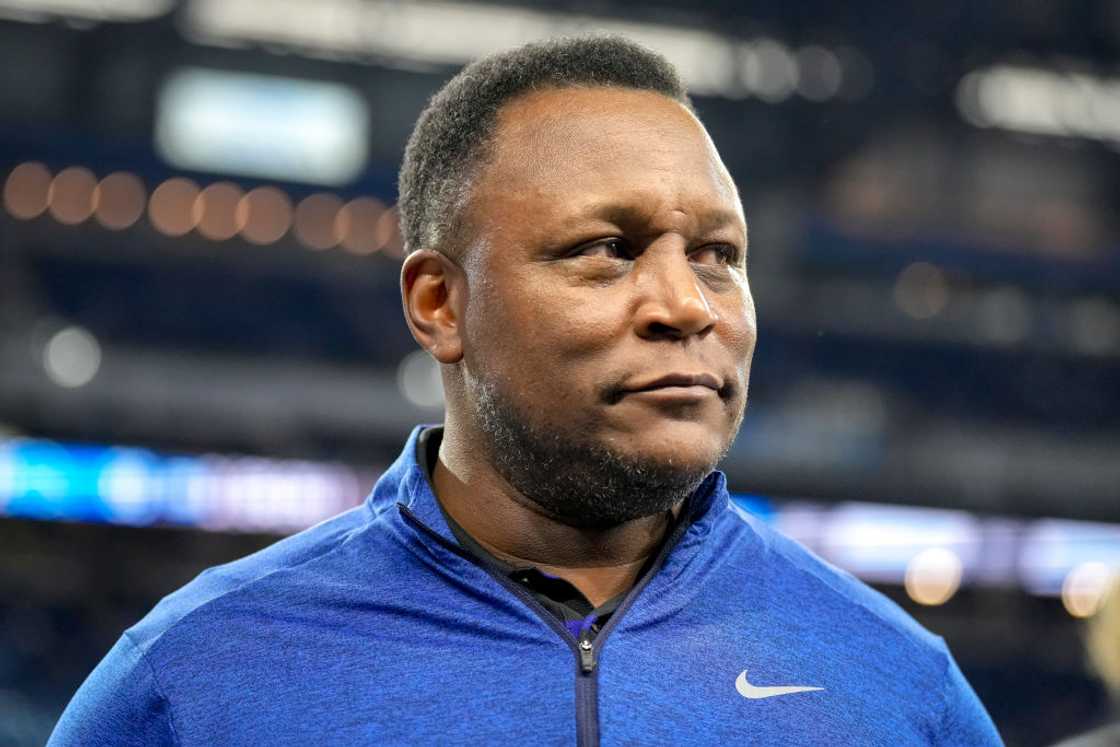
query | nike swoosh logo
(752,692)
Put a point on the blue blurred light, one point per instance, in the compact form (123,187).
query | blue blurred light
(133,486)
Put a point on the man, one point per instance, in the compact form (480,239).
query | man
(558,563)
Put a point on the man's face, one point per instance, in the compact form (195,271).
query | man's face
(608,298)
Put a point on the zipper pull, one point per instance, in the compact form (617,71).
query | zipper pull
(586,655)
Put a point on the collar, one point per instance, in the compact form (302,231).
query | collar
(405,485)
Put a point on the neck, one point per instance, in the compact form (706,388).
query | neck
(600,562)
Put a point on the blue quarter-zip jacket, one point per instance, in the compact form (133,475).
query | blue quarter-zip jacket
(375,627)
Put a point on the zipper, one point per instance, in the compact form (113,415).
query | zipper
(587,694)
(587,680)
(587,703)
(586,655)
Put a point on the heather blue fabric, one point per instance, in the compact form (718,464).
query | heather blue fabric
(368,629)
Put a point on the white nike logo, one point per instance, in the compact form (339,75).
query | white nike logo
(747,690)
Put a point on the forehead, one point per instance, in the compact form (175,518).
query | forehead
(557,146)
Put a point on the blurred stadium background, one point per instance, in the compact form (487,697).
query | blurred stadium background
(201,347)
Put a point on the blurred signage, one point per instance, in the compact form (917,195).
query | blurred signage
(924,548)
(138,487)
(262,126)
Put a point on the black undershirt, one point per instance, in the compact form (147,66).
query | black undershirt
(558,596)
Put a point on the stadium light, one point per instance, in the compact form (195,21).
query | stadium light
(454,33)
(1039,101)
(88,10)
(263,126)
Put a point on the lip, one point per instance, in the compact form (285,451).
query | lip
(695,383)
(673,396)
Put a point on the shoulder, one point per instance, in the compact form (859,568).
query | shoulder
(849,611)
(271,572)
(175,657)
(119,703)
(803,572)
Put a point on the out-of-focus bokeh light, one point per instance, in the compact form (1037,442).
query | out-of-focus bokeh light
(264,126)
(1094,326)
(177,206)
(389,233)
(858,73)
(72,357)
(70,197)
(315,220)
(705,60)
(418,377)
(215,210)
(118,200)
(357,225)
(1004,316)
(25,191)
(1039,101)
(933,576)
(820,74)
(264,215)
(1084,588)
(921,290)
(770,71)
(171,207)
(81,13)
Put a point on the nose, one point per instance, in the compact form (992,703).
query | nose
(673,303)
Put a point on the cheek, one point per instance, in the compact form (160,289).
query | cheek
(544,332)
(741,325)
(740,330)
(555,313)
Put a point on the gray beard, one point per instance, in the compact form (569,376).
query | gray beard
(576,481)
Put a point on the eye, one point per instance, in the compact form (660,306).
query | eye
(716,254)
(613,248)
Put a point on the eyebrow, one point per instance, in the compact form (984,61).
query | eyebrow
(623,213)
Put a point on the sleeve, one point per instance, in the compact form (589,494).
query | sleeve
(964,720)
(120,703)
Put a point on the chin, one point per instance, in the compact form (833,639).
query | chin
(688,446)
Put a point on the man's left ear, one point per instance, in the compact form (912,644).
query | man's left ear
(432,291)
